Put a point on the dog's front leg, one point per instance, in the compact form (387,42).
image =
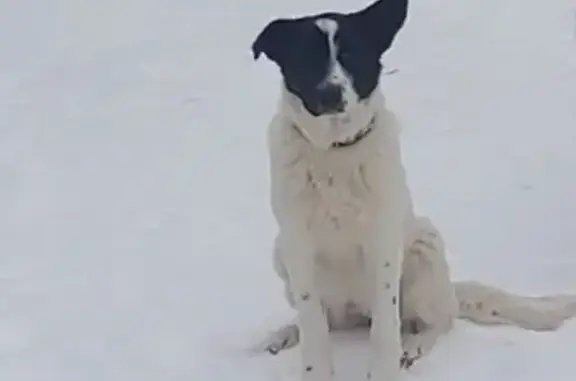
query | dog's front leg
(316,353)
(384,258)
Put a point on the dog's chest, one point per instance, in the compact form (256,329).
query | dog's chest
(333,199)
(336,200)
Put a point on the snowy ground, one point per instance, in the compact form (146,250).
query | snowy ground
(135,231)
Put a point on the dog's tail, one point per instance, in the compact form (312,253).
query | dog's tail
(487,305)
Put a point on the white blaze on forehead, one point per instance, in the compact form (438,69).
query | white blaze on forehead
(329,27)
(336,73)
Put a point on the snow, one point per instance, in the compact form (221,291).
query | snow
(135,229)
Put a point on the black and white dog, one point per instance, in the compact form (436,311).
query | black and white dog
(350,248)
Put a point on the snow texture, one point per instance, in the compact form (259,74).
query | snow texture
(135,228)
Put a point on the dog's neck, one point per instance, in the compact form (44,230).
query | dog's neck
(361,134)
(332,131)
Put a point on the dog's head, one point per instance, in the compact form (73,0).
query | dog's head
(331,61)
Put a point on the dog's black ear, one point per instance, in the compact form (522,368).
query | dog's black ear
(273,40)
(381,21)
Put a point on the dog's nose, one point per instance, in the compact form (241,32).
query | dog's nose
(330,99)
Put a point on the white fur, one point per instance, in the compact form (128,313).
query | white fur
(348,232)
(341,214)
(324,130)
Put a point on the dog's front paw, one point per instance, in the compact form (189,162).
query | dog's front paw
(412,351)
(407,359)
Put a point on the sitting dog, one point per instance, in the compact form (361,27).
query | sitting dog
(350,248)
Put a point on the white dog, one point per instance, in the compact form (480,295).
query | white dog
(350,249)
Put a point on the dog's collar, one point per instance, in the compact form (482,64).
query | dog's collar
(349,142)
(356,138)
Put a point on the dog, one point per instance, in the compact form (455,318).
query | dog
(350,249)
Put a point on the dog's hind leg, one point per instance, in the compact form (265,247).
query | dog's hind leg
(428,301)
(288,336)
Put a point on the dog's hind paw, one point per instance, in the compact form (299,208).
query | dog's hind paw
(409,357)
(285,338)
